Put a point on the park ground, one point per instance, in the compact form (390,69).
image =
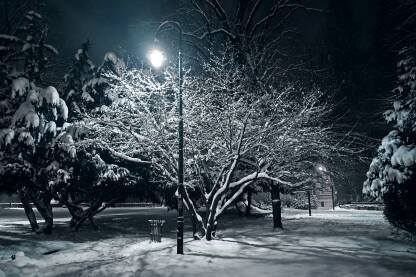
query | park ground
(329,243)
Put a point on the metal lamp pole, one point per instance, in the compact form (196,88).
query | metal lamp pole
(180,218)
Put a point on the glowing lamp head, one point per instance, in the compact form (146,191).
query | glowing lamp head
(321,168)
(156,58)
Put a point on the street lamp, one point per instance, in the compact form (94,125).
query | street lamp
(157,59)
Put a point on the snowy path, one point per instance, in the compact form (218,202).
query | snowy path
(339,243)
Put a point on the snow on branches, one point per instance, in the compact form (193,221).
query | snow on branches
(32,119)
(396,158)
(237,134)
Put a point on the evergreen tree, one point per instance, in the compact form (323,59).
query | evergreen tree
(98,176)
(86,88)
(33,120)
(391,176)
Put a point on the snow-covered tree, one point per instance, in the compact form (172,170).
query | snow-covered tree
(32,118)
(392,174)
(82,71)
(261,32)
(24,55)
(99,175)
(236,134)
(89,181)
(244,134)
(30,145)
(85,88)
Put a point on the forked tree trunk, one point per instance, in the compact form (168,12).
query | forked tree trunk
(94,209)
(76,213)
(25,199)
(87,214)
(277,206)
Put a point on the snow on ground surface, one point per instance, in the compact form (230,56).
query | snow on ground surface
(330,243)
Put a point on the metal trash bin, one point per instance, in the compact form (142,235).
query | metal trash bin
(156,230)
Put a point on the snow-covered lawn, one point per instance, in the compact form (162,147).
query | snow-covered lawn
(330,243)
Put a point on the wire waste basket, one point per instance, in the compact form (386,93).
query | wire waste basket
(156,230)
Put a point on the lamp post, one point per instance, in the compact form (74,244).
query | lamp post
(157,58)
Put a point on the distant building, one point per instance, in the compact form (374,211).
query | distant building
(323,192)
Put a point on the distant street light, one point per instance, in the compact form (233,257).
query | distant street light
(157,58)
(321,168)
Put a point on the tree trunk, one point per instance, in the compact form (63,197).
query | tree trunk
(194,227)
(196,218)
(248,210)
(277,206)
(43,205)
(93,224)
(87,214)
(76,213)
(94,209)
(211,231)
(240,212)
(211,220)
(25,199)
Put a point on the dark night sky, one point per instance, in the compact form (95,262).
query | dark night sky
(108,24)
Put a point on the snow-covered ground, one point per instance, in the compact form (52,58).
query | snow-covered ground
(330,243)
